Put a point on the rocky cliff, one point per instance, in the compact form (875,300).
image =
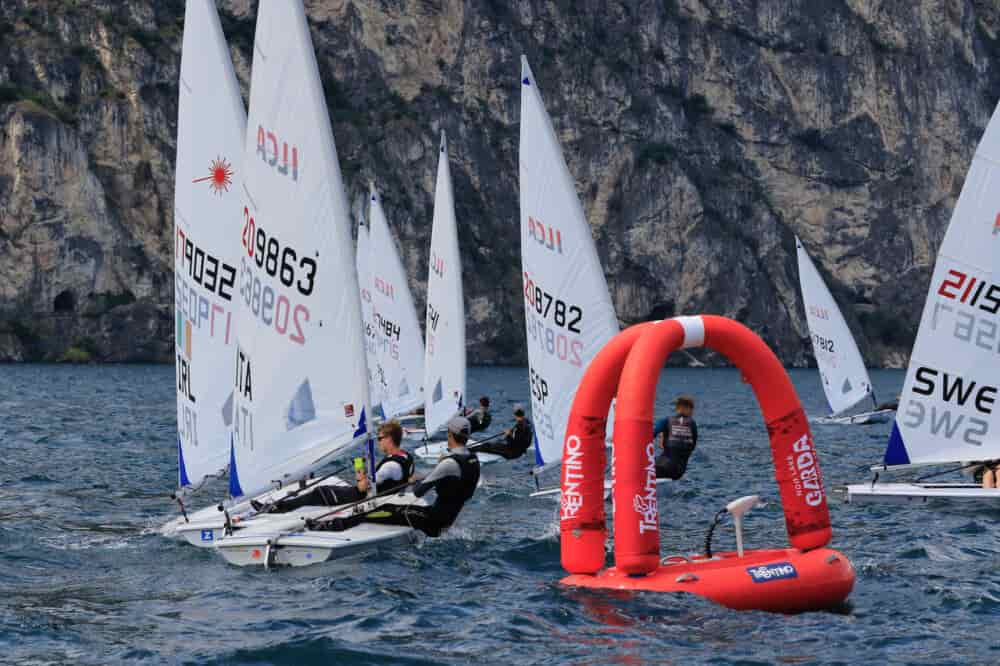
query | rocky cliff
(703,136)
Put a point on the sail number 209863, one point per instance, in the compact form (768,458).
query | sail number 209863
(266,252)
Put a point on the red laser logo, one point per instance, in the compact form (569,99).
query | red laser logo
(220,175)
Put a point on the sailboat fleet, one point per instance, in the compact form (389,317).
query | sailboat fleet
(289,348)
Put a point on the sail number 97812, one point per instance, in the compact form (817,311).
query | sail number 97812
(266,252)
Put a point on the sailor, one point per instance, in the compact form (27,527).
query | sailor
(990,474)
(454,481)
(393,471)
(480,418)
(517,439)
(679,436)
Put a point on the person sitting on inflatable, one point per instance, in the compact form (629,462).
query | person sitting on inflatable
(679,436)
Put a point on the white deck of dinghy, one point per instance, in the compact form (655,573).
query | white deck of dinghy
(920,492)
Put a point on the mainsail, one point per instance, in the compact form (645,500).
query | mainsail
(567,308)
(845,378)
(399,349)
(365,290)
(444,362)
(211,125)
(948,409)
(301,381)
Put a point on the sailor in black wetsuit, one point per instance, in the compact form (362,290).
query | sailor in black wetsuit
(516,441)
(394,470)
(454,481)
(480,418)
(679,437)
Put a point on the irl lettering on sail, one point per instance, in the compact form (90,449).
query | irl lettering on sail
(284,161)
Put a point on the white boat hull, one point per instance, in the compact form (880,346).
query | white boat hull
(431,452)
(206,526)
(286,542)
(903,493)
(865,418)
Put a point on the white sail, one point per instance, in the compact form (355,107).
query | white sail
(845,378)
(365,290)
(949,407)
(567,308)
(444,362)
(301,381)
(399,349)
(211,126)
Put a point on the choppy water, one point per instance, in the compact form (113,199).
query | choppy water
(88,461)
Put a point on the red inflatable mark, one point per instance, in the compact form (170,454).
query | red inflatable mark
(582,522)
(631,362)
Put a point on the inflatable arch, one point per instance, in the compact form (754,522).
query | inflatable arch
(629,366)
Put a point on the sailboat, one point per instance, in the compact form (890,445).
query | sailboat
(841,368)
(444,359)
(301,379)
(948,412)
(211,124)
(398,375)
(567,307)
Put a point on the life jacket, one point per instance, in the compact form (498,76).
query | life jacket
(679,445)
(405,461)
(453,493)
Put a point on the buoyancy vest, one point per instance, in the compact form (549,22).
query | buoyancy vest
(405,460)
(452,492)
(681,437)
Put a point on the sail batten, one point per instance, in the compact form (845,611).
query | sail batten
(444,361)
(568,311)
(301,389)
(399,349)
(211,124)
(947,411)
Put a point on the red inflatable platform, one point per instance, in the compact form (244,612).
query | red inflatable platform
(780,580)
(807,576)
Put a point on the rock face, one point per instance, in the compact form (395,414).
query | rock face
(703,136)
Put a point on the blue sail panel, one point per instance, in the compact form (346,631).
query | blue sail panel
(538,452)
(895,452)
(234,478)
(182,475)
(362,425)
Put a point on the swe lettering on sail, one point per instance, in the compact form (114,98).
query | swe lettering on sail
(947,393)
(276,153)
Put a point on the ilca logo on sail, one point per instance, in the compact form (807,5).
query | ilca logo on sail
(220,176)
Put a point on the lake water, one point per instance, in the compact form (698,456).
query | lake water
(89,461)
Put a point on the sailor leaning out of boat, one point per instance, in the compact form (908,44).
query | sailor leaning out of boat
(679,436)
(394,470)
(454,481)
(990,472)
(516,440)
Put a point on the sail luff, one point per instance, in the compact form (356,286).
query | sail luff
(568,311)
(301,377)
(211,126)
(445,363)
(947,411)
(844,375)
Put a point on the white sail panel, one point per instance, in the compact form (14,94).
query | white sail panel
(211,125)
(301,381)
(365,290)
(845,378)
(444,362)
(948,409)
(399,349)
(568,311)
